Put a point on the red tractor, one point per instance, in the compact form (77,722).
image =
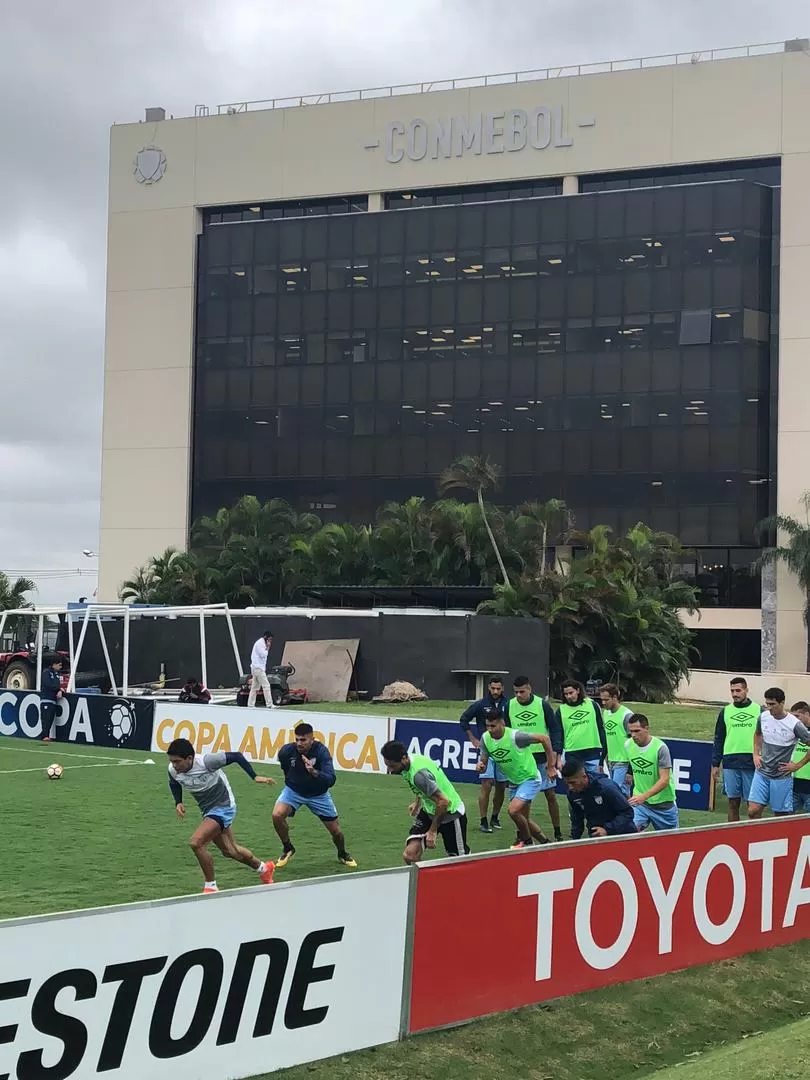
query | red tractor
(18,664)
(18,669)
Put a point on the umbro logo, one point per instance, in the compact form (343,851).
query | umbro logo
(640,764)
(610,726)
(739,718)
(579,716)
(525,715)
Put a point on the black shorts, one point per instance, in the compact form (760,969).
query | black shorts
(453,833)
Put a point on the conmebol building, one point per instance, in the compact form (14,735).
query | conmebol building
(599,277)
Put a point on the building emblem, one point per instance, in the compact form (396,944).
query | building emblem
(150,165)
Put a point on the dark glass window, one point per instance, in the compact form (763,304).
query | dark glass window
(611,349)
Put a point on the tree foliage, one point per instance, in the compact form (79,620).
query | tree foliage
(612,609)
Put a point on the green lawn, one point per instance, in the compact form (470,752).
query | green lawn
(107,833)
(772,1055)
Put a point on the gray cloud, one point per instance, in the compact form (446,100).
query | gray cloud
(67,72)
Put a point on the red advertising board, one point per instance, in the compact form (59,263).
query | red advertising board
(560,920)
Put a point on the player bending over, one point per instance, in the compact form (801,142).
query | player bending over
(308,775)
(437,808)
(200,774)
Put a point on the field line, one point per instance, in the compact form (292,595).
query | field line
(104,765)
(49,748)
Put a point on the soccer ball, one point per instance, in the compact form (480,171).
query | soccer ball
(122,721)
(54,772)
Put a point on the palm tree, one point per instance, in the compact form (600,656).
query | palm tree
(476,474)
(141,588)
(550,518)
(14,594)
(794,553)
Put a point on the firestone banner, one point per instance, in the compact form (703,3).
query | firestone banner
(353,739)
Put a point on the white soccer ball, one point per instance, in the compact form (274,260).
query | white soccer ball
(122,721)
(54,772)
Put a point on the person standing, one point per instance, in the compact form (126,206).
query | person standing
(653,798)
(309,773)
(582,727)
(512,751)
(597,801)
(50,694)
(258,670)
(492,781)
(616,720)
(801,764)
(734,746)
(527,712)
(437,809)
(775,738)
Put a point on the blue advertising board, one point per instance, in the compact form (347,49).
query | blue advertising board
(448,746)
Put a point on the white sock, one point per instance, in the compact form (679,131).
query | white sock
(210,884)
(261,868)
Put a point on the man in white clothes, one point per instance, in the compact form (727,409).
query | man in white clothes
(258,670)
(775,739)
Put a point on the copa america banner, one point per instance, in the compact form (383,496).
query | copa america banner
(95,719)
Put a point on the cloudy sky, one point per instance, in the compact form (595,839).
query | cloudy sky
(69,71)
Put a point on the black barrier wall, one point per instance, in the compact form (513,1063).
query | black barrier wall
(93,719)
(422,649)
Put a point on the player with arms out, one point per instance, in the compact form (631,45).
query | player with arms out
(201,776)
(437,808)
(512,751)
(308,775)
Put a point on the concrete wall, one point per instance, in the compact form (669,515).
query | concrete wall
(712,686)
(710,111)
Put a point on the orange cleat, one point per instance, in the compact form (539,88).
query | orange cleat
(266,876)
(210,889)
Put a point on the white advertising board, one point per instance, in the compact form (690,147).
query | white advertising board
(206,988)
(353,740)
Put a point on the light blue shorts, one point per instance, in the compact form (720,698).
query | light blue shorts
(618,774)
(801,802)
(778,794)
(322,806)
(737,783)
(493,772)
(644,815)
(223,815)
(530,789)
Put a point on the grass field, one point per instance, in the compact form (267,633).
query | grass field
(107,833)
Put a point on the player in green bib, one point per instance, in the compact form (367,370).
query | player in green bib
(653,799)
(511,750)
(800,764)
(734,746)
(528,712)
(437,809)
(616,719)
(583,730)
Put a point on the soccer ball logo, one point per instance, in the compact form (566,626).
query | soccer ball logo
(122,722)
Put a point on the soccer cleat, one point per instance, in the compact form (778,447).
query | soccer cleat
(266,876)
(557,836)
(210,889)
(285,857)
(485,826)
(346,860)
(520,844)
(495,822)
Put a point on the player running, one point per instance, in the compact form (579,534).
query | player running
(308,775)
(653,799)
(201,775)
(437,808)
(775,739)
(511,750)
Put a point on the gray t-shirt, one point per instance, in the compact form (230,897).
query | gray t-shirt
(779,738)
(425,781)
(205,783)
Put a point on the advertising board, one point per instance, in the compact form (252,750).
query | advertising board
(95,719)
(353,739)
(229,985)
(586,915)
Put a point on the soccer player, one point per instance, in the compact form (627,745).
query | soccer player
(734,746)
(511,750)
(800,766)
(308,775)
(775,738)
(615,718)
(527,712)
(653,798)
(201,775)
(437,808)
(493,777)
(596,799)
(583,730)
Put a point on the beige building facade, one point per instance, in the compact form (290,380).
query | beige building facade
(163,173)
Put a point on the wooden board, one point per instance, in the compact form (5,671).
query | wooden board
(323,667)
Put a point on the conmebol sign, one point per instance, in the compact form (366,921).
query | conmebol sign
(575,918)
